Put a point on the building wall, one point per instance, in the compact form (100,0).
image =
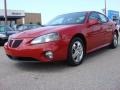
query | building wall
(30,18)
(113,14)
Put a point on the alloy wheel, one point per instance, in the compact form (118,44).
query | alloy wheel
(77,51)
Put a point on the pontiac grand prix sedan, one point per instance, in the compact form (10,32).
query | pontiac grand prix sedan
(67,37)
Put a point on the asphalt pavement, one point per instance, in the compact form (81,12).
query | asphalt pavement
(99,71)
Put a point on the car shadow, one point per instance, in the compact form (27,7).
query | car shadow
(96,53)
(59,66)
(42,67)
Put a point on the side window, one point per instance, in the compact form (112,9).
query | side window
(94,16)
(29,26)
(2,29)
(35,26)
(103,18)
(26,27)
(20,28)
(8,28)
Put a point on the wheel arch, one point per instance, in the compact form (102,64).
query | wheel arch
(116,31)
(81,36)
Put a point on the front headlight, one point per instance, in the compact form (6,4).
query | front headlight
(46,38)
(3,36)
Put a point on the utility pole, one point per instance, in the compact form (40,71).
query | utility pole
(105,7)
(5,10)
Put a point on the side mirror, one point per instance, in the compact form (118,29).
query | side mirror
(93,22)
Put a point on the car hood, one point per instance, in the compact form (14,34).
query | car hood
(40,31)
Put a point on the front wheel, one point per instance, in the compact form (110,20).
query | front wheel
(114,43)
(76,52)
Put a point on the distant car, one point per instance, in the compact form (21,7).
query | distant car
(27,27)
(5,32)
(67,37)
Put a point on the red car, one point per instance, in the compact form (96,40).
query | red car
(67,37)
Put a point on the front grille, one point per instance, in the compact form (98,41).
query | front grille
(10,43)
(15,43)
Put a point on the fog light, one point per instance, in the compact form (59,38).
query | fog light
(49,54)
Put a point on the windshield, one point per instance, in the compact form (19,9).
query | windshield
(72,18)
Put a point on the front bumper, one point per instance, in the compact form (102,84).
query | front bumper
(25,50)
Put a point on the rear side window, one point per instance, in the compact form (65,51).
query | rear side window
(103,18)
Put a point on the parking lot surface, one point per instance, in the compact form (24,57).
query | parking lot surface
(99,71)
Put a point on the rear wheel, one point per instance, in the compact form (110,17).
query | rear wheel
(114,43)
(76,52)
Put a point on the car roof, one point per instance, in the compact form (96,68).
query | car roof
(82,11)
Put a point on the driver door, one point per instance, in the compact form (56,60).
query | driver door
(95,33)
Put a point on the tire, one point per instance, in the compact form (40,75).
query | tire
(1,42)
(76,52)
(114,43)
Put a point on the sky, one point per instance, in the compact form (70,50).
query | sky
(51,8)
